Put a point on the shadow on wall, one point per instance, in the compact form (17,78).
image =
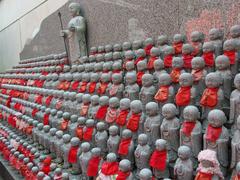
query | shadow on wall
(116,21)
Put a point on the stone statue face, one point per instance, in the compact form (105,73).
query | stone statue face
(184,152)
(161,144)
(142,139)
(195,36)
(185,80)
(141,66)
(124,103)
(103,100)
(147,80)
(145,174)
(207,163)
(151,109)
(229,45)
(177,62)
(95,100)
(216,118)
(114,102)
(131,78)
(111,157)
(237,81)
(125,165)
(155,52)
(213,80)
(198,63)
(130,66)
(116,78)
(136,106)
(191,113)
(140,53)
(222,62)
(168,50)
(235,31)
(113,130)
(214,34)
(187,49)
(158,65)
(165,79)
(177,38)
(85,147)
(169,111)
(162,40)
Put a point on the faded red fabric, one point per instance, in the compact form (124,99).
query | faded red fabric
(111,115)
(59,105)
(72,154)
(109,168)
(231,55)
(87,136)
(92,87)
(168,61)
(74,85)
(162,94)
(102,88)
(48,100)
(203,176)
(187,59)
(139,77)
(64,124)
(124,146)
(133,122)
(122,117)
(178,47)
(197,74)
(213,133)
(183,96)
(147,49)
(38,99)
(79,132)
(208,58)
(114,89)
(158,160)
(101,113)
(83,87)
(93,165)
(150,64)
(175,74)
(46,119)
(209,97)
(46,165)
(84,109)
(188,127)
(122,175)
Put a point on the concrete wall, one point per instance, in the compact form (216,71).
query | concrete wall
(19,23)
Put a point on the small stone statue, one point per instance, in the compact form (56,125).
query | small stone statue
(216,37)
(187,56)
(154,55)
(140,56)
(159,159)
(235,102)
(142,153)
(73,154)
(208,167)
(212,97)
(141,70)
(145,174)
(209,56)
(117,87)
(148,90)
(162,42)
(170,130)
(65,148)
(113,140)
(89,130)
(152,123)
(112,111)
(104,84)
(165,93)
(197,39)
(93,83)
(191,131)
(177,70)
(124,171)
(57,146)
(168,57)
(223,69)
(148,45)
(109,168)
(158,70)
(102,110)
(187,93)
(126,146)
(93,108)
(230,50)
(124,110)
(86,99)
(178,40)
(94,163)
(131,89)
(101,137)
(183,168)
(79,129)
(76,33)
(216,137)
(84,159)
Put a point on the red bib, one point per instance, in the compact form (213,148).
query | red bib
(102,88)
(93,165)
(122,117)
(196,48)
(79,132)
(213,133)
(64,125)
(187,128)
(151,61)
(38,99)
(197,74)
(158,160)
(231,55)
(111,115)
(168,61)
(124,146)
(148,49)
(83,87)
(139,59)
(92,86)
(183,96)
(203,176)
(46,119)
(109,168)
(178,47)
(187,59)
(122,175)
(48,100)
(66,85)
(87,136)
(162,94)
(75,85)
(101,113)
(139,77)
(72,154)
(209,97)
(208,58)
(133,122)
(175,74)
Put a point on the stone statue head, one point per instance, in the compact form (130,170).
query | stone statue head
(185,80)
(184,152)
(96,151)
(116,78)
(130,66)
(125,165)
(137,44)
(147,80)
(111,157)
(152,109)
(131,78)
(101,126)
(126,134)
(162,40)
(235,31)
(177,62)
(237,81)
(114,102)
(113,130)
(191,113)
(85,147)
(213,80)
(145,174)
(187,49)
(158,65)
(178,38)
(142,139)
(155,52)
(142,66)
(169,111)
(140,53)
(161,144)
(136,106)
(168,50)
(229,45)
(198,63)
(197,36)
(104,100)
(216,118)
(215,34)
(165,79)
(222,62)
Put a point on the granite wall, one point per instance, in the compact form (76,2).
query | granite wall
(116,21)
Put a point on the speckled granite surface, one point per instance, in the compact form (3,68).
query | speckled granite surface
(116,21)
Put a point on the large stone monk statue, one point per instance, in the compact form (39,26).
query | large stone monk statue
(76,34)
